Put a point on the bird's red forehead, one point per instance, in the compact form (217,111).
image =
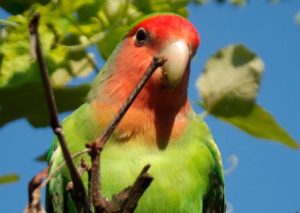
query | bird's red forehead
(169,26)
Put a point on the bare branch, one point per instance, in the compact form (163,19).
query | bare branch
(155,63)
(34,193)
(100,203)
(126,201)
(81,197)
(59,167)
(83,167)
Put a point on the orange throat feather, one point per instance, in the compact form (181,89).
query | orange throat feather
(158,115)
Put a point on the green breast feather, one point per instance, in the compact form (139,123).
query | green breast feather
(188,174)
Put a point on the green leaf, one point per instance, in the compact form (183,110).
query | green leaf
(238,2)
(29,102)
(67,29)
(8,178)
(42,157)
(19,6)
(70,6)
(108,44)
(261,124)
(230,81)
(229,86)
(118,16)
(297,18)
(21,94)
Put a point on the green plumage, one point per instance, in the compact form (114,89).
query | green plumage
(187,175)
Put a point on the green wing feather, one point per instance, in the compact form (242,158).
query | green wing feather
(187,174)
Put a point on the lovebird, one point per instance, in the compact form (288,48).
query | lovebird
(160,128)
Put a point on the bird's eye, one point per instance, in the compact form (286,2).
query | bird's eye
(141,36)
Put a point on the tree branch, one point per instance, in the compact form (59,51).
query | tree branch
(136,191)
(34,193)
(155,63)
(81,197)
(125,201)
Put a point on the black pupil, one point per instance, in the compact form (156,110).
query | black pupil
(141,36)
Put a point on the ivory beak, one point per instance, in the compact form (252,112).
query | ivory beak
(177,54)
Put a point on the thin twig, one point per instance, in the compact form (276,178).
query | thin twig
(34,193)
(155,63)
(126,201)
(58,168)
(100,203)
(83,167)
(4,22)
(90,41)
(81,197)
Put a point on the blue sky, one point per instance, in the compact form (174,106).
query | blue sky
(267,178)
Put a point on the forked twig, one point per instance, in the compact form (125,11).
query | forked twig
(125,201)
(34,193)
(100,203)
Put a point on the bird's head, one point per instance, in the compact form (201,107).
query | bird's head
(161,108)
(167,35)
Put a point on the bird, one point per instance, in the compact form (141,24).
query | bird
(160,128)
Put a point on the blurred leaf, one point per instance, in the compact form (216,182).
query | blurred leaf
(90,9)
(238,2)
(29,102)
(109,42)
(297,18)
(150,6)
(19,6)
(67,28)
(261,124)
(21,94)
(9,178)
(229,86)
(232,2)
(43,157)
(230,81)
(17,65)
(69,6)
(116,17)
(143,6)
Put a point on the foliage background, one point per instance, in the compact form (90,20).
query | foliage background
(268,174)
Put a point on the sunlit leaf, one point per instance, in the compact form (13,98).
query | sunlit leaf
(109,42)
(261,124)
(8,178)
(21,94)
(230,81)
(229,86)
(67,29)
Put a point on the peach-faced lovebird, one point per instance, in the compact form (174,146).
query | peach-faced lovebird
(160,128)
